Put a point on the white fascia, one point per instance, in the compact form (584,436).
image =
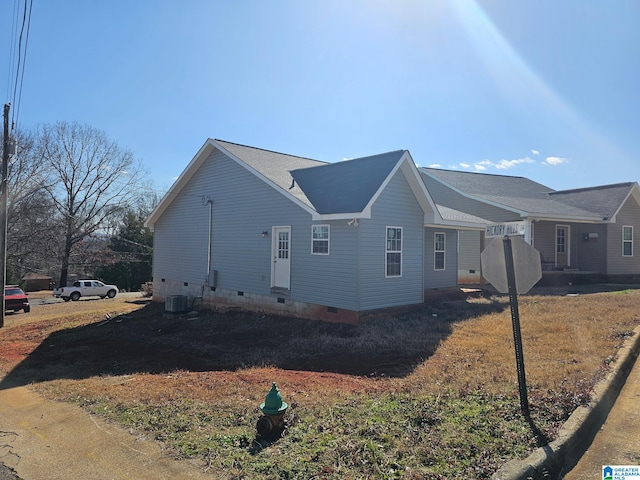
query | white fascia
(366,213)
(564,218)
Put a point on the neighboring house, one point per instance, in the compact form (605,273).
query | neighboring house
(274,232)
(587,229)
(33,282)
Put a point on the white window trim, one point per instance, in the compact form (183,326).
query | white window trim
(444,251)
(328,239)
(627,241)
(387,251)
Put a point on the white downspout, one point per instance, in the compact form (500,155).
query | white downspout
(210,203)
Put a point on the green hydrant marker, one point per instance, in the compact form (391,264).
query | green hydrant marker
(273,404)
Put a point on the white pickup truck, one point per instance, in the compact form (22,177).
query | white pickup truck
(85,288)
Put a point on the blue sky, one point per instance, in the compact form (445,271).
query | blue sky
(544,89)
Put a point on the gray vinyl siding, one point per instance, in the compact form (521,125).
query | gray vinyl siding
(244,206)
(590,254)
(448,197)
(469,256)
(586,256)
(440,278)
(617,264)
(326,279)
(395,207)
(544,240)
(177,255)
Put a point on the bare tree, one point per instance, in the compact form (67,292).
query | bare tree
(32,234)
(91,180)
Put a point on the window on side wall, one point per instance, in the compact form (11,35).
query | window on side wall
(439,242)
(320,239)
(627,241)
(393,261)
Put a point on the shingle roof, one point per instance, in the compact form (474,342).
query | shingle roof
(604,200)
(483,184)
(329,188)
(346,186)
(273,165)
(533,198)
(453,215)
(542,206)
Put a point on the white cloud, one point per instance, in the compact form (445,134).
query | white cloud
(506,164)
(554,161)
(483,165)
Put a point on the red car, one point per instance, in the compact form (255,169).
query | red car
(15,299)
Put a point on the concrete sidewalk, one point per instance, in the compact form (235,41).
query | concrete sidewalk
(42,439)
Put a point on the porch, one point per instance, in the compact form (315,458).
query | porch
(569,276)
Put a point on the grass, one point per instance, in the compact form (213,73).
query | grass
(427,394)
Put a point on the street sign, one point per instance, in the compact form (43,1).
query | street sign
(506,229)
(526,261)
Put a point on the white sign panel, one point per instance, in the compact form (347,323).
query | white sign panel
(506,229)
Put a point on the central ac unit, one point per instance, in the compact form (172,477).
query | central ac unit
(175,303)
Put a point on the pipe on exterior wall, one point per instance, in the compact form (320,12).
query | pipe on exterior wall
(210,203)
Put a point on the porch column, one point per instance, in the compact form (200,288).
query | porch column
(528,232)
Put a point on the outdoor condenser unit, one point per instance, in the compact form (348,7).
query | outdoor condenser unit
(175,303)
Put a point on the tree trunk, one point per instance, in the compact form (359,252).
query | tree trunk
(66,255)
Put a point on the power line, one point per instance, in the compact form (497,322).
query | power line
(12,50)
(20,66)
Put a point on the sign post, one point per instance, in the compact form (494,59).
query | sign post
(499,261)
(515,321)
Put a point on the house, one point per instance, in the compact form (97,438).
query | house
(33,282)
(585,230)
(248,227)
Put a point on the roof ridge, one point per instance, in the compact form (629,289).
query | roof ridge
(376,155)
(269,151)
(478,173)
(341,162)
(597,187)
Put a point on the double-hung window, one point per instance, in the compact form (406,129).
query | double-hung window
(439,250)
(393,261)
(627,241)
(320,239)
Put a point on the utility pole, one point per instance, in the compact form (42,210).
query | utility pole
(3,210)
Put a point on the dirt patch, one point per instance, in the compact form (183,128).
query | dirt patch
(148,340)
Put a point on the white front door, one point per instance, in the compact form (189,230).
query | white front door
(281,252)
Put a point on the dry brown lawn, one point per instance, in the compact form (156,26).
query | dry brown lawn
(121,366)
